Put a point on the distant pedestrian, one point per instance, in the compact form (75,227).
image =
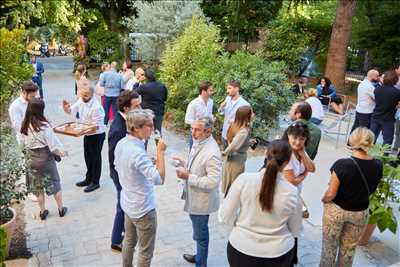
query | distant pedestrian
(39,138)
(127,101)
(387,98)
(365,101)
(238,143)
(138,176)
(317,114)
(90,111)
(113,84)
(201,106)
(202,174)
(154,95)
(346,200)
(327,95)
(137,80)
(262,207)
(299,88)
(127,73)
(80,77)
(229,107)
(396,141)
(37,76)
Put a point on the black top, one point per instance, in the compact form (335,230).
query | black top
(352,193)
(116,133)
(154,94)
(386,99)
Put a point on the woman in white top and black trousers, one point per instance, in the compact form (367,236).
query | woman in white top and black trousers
(43,149)
(262,207)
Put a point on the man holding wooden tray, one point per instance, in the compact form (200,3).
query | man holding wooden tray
(90,112)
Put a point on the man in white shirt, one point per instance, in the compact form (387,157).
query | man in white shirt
(137,80)
(201,106)
(18,107)
(365,100)
(138,175)
(90,112)
(202,175)
(229,107)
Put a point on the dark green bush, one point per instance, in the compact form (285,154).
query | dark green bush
(104,45)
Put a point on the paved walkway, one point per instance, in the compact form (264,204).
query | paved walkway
(82,238)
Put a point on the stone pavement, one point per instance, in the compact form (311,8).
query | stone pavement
(82,237)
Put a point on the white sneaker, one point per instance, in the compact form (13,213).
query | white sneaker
(32,197)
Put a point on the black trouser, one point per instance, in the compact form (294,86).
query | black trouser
(362,120)
(239,259)
(387,128)
(92,145)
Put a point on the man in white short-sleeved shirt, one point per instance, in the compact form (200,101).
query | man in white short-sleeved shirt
(365,100)
(200,107)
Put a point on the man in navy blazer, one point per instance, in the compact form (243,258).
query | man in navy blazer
(127,101)
(37,77)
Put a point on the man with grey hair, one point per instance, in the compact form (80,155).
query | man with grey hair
(90,112)
(137,176)
(202,174)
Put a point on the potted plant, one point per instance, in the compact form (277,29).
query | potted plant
(12,171)
(385,197)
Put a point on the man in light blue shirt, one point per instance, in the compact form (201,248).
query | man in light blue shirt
(229,107)
(137,176)
(113,83)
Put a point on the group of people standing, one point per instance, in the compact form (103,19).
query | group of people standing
(265,207)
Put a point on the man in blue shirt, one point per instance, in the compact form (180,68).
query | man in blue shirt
(113,84)
(37,77)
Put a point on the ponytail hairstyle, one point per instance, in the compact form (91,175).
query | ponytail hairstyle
(278,154)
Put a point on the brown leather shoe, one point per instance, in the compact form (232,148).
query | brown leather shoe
(189,258)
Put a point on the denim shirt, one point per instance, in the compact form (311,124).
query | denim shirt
(229,112)
(112,83)
(137,176)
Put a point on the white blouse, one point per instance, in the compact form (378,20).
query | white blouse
(256,232)
(45,137)
(297,167)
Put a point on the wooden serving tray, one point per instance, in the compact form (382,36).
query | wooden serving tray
(75,129)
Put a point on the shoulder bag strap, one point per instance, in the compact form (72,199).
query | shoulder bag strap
(362,174)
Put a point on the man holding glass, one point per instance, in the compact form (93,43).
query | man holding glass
(138,175)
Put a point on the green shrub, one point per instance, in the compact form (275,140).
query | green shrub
(104,45)
(3,246)
(12,168)
(13,70)
(197,55)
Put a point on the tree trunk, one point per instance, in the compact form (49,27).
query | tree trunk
(341,33)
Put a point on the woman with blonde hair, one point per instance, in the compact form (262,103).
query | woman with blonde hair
(346,200)
(316,106)
(238,137)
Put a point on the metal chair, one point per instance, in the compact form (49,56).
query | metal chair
(333,123)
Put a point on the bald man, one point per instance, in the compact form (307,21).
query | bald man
(365,100)
(91,112)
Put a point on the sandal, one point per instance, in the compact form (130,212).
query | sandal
(63,211)
(43,215)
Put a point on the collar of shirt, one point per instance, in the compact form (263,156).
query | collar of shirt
(22,99)
(201,100)
(122,115)
(135,140)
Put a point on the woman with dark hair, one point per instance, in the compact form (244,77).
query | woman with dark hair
(238,137)
(300,164)
(43,147)
(327,95)
(262,206)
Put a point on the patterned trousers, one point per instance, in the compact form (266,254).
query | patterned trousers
(341,230)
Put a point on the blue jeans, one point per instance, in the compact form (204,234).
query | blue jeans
(190,139)
(110,101)
(38,81)
(201,236)
(387,128)
(118,227)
